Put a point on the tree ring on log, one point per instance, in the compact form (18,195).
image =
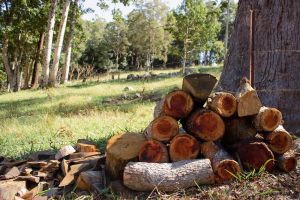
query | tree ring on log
(164,128)
(153,151)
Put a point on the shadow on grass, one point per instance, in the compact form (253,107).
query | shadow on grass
(30,107)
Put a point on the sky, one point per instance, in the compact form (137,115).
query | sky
(106,14)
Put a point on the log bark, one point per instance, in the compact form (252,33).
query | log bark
(279,141)
(237,129)
(275,55)
(205,124)
(268,119)
(222,103)
(222,163)
(286,162)
(163,129)
(183,147)
(177,104)
(199,86)
(120,150)
(154,152)
(35,72)
(248,102)
(254,155)
(167,176)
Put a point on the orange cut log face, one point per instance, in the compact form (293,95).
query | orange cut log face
(164,128)
(226,168)
(271,118)
(290,164)
(154,152)
(178,104)
(280,142)
(208,126)
(184,147)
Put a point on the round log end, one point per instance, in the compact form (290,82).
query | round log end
(184,147)
(226,168)
(209,149)
(279,141)
(164,128)
(289,164)
(178,104)
(154,152)
(255,155)
(270,119)
(206,125)
(225,104)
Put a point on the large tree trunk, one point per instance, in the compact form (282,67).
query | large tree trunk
(66,69)
(35,73)
(273,50)
(48,46)
(59,43)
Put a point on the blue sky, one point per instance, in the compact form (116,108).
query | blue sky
(106,14)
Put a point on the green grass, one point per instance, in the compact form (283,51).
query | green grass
(35,120)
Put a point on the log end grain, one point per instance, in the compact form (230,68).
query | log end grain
(163,128)
(268,119)
(184,147)
(226,169)
(223,103)
(248,104)
(206,125)
(279,141)
(178,104)
(154,152)
(286,162)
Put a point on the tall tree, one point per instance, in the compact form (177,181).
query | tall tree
(268,53)
(35,72)
(66,68)
(48,45)
(59,43)
(193,29)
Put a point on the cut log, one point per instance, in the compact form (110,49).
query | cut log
(120,150)
(177,104)
(248,102)
(237,129)
(286,162)
(222,163)
(268,119)
(279,141)
(87,179)
(163,129)
(184,147)
(82,147)
(199,86)
(205,124)
(222,103)
(169,177)
(64,151)
(154,152)
(254,155)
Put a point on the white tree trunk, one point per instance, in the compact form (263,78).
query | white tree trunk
(66,69)
(59,43)
(49,41)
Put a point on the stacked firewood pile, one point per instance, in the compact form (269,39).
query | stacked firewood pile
(202,138)
(52,174)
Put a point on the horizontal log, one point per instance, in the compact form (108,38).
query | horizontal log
(222,163)
(183,147)
(286,162)
(268,119)
(154,152)
(279,140)
(222,103)
(177,104)
(163,129)
(121,149)
(205,124)
(167,177)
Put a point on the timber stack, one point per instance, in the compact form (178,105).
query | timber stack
(203,137)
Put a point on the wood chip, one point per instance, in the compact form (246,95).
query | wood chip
(8,189)
(87,180)
(29,178)
(65,151)
(74,170)
(11,173)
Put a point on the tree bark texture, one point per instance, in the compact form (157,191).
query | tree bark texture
(66,68)
(276,55)
(59,43)
(35,73)
(49,42)
(167,177)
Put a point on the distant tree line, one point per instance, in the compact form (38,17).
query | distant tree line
(45,42)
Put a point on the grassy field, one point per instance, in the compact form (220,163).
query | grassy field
(34,120)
